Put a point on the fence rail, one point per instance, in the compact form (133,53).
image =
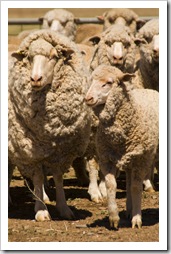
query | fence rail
(39,21)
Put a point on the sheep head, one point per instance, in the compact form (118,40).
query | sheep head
(103,79)
(43,58)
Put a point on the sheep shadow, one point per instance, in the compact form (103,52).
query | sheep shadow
(150,217)
(23,204)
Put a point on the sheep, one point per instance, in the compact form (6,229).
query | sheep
(117,48)
(127,136)
(49,122)
(122,16)
(148,38)
(62,21)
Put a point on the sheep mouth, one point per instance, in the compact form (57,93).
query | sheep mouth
(37,88)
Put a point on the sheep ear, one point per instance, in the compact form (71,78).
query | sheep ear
(67,53)
(140,23)
(139,41)
(126,76)
(19,55)
(53,53)
(101,18)
(95,40)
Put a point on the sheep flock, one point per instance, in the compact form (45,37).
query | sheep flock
(86,98)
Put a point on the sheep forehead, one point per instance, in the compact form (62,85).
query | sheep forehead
(103,72)
(40,47)
(149,29)
(116,33)
(127,14)
(59,14)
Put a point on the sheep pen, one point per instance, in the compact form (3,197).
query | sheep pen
(91,219)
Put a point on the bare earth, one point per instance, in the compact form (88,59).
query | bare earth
(91,223)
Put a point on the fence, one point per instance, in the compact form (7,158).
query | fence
(29,23)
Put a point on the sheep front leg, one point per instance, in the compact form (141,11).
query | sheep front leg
(40,208)
(63,210)
(111,185)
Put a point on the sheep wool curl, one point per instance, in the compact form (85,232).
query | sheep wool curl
(50,127)
(122,16)
(107,52)
(127,136)
(61,21)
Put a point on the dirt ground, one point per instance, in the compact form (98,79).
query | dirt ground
(91,223)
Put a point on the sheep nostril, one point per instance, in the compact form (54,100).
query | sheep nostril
(117,58)
(88,99)
(36,79)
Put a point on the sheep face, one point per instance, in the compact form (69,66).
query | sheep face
(104,78)
(41,71)
(155,47)
(116,52)
(98,91)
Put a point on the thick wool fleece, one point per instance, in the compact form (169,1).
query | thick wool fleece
(115,33)
(128,129)
(50,127)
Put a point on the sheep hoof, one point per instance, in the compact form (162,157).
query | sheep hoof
(42,215)
(114,222)
(150,190)
(65,213)
(95,195)
(136,221)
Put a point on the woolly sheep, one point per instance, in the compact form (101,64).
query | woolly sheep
(116,48)
(120,16)
(49,122)
(127,136)
(62,21)
(148,37)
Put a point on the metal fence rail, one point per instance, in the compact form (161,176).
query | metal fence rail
(39,21)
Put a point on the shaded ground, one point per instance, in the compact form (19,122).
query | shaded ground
(91,224)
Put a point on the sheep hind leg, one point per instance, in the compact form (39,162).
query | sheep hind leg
(93,188)
(63,211)
(136,195)
(40,208)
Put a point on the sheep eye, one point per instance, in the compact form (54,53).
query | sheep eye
(49,23)
(111,20)
(108,43)
(109,83)
(64,23)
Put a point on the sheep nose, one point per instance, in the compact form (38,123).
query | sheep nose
(36,78)
(89,100)
(118,58)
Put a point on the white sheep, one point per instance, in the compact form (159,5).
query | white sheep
(49,122)
(148,38)
(117,48)
(62,21)
(122,16)
(127,136)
